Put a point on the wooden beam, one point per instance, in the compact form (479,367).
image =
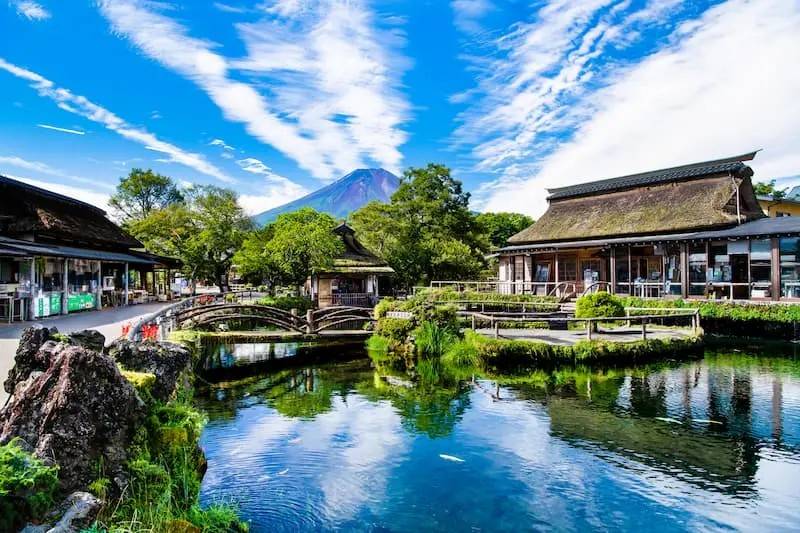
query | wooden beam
(613,268)
(776,268)
(684,270)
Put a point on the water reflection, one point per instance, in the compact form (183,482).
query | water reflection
(706,444)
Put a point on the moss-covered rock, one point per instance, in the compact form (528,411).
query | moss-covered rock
(27,486)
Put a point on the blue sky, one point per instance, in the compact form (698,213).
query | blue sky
(277,98)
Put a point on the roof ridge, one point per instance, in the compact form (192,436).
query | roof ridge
(629,180)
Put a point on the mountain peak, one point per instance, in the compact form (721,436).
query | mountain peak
(343,196)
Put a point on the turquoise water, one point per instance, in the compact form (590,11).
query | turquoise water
(703,445)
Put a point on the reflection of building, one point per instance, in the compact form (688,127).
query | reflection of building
(694,230)
(356,276)
(59,255)
(788,206)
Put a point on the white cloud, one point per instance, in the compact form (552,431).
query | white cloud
(31,10)
(80,193)
(62,130)
(467,13)
(222,144)
(81,106)
(725,84)
(332,78)
(44,168)
(227,8)
(279,190)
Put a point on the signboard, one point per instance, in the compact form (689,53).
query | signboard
(47,305)
(79,302)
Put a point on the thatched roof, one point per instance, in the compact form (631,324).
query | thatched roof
(356,258)
(690,198)
(27,211)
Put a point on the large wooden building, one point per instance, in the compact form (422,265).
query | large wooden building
(694,231)
(59,255)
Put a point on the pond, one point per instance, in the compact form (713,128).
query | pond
(706,444)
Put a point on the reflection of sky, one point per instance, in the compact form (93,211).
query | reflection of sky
(355,467)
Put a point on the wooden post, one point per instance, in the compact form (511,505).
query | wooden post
(644,329)
(99,292)
(496,329)
(588,330)
(65,280)
(684,270)
(776,269)
(473,322)
(309,321)
(125,286)
(630,272)
(613,268)
(627,318)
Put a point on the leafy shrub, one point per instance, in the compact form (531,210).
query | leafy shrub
(598,305)
(27,486)
(433,340)
(396,329)
(462,354)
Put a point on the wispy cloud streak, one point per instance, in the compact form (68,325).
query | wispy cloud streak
(62,130)
(81,106)
(332,81)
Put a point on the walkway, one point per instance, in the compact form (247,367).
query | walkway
(109,322)
(570,337)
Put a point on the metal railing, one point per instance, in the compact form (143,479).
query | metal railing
(350,299)
(541,288)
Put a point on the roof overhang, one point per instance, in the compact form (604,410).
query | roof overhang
(33,249)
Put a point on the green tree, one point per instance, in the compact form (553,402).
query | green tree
(427,231)
(204,232)
(498,227)
(290,249)
(769,189)
(141,192)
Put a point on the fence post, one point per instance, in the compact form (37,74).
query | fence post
(473,322)
(309,321)
(628,318)
(496,329)
(644,329)
(588,330)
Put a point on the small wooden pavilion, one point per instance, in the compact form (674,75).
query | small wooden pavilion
(695,230)
(356,277)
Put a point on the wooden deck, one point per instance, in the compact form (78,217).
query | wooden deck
(571,337)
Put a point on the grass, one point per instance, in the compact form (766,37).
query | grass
(27,486)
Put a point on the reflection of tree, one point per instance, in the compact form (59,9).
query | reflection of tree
(432,410)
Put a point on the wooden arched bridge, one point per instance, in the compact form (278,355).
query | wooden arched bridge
(313,322)
(204,311)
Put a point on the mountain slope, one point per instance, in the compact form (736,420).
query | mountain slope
(343,196)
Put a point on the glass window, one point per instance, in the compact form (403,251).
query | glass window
(761,267)
(52,273)
(720,263)
(567,269)
(790,267)
(623,271)
(672,268)
(697,268)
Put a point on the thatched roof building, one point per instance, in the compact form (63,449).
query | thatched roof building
(32,213)
(699,196)
(356,258)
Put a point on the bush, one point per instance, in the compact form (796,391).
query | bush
(397,329)
(27,486)
(598,305)
(462,354)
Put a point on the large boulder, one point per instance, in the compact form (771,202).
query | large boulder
(169,362)
(88,338)
(28,359)
(79,413)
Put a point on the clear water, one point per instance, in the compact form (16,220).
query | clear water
(703,445)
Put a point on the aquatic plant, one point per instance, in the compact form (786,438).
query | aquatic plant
(432,340)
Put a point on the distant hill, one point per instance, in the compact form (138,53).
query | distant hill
(343,196)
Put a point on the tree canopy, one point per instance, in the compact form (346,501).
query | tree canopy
(290,249)
(141,192)
(204,232)
(498,227)
(427,231)
(769,189)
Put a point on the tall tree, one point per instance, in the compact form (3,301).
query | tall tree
(204,232)
(141,192)
(291,248)
(427,231)
(769,189)
(498,227)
